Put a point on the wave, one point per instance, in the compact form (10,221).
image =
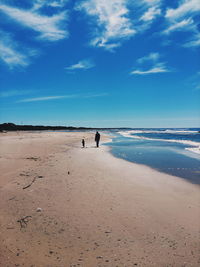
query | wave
(181,131)
(194,149)
(185,142)
(163,131)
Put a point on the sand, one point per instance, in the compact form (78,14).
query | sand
(88,208)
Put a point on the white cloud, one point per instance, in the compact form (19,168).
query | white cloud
(186,7)
(156,69)
(112,22)
(152,2)
(151,13)
(144,13)
(195,41)
(57,3)
(52,3)
(44,98)
(47,98)
(156,65)
(11,54)
(151,57)
(49,28)
(81,65)
(182,18)
(183,25)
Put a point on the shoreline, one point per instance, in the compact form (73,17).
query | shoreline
(96,209)
(197,183)
(176,163)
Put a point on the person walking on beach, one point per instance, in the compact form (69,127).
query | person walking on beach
(97,138)
(83,142)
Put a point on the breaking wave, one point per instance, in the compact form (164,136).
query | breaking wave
(195,145)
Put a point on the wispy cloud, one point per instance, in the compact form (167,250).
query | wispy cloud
(151,13)
(183,25)
(156,69)
(152,2)
(186,7)
(58,3)
(145,12)
(194,81)
(81,65)
(11,53)
(194,41)
(47,98)
(182,19)
(49,28)
(113,24)
(11,56)
(152,59)
(52,3)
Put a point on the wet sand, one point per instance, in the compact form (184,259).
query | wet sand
(63,205)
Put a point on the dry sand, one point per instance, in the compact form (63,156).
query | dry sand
(90,209)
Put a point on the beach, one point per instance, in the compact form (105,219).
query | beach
(62,205)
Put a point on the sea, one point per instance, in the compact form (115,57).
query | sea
(172,151)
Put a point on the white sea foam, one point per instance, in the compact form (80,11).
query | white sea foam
(195,149)
(180,131)
(161,131)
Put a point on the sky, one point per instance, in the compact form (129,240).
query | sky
(100,63)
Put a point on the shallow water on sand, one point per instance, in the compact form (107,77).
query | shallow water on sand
(169,157)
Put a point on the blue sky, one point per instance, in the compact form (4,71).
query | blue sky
(100,63)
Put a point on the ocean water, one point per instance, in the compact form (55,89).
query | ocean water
(173,151)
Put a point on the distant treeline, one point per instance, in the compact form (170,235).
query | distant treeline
(14,127)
